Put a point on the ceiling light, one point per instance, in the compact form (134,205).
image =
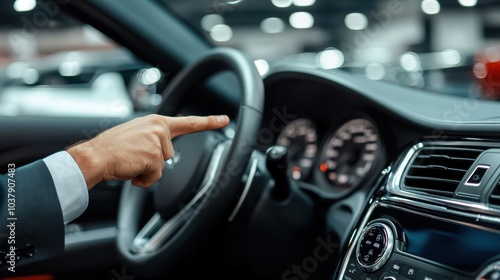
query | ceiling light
(430,7)
(330,59)
(356,21)
(410,61)
(211,20)
(24,5)
(468,3)
(282,3)
(221,33)
(70,69)
(31,76)
(303,3)
(272,25)
(451,57)
(301,20)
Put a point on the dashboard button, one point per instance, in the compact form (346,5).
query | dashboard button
(353,270)
(477,176)
(409,272)
(396,267)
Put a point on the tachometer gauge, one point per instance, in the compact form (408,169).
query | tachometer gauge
(349,154)
(301,140)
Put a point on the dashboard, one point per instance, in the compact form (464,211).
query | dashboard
(430,180)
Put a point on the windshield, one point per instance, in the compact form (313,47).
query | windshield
(450,47)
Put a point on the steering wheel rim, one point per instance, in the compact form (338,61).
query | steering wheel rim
(228,155)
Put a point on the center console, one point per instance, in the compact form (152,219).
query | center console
(435,216)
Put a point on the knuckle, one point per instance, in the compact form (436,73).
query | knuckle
(212,121)
(156,119)
(191,121)
(157,130)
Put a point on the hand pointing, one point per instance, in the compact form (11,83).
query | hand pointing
(137,150)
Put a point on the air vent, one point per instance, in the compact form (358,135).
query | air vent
(439,170)
(495,195)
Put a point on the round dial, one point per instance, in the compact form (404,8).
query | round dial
(375,246)
(491,272)
(349,153)
(301,140)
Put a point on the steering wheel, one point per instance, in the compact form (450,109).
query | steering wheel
(200,182)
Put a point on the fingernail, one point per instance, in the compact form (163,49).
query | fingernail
(222,119)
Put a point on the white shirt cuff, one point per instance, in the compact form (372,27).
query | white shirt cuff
(70,185)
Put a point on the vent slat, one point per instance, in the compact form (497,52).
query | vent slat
(433,179)
(446,157)
(439,170)
(441,167)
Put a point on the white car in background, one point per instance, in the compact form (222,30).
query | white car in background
(75,84)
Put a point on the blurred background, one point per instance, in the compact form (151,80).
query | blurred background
(444,46)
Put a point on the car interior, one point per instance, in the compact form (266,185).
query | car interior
(346,157)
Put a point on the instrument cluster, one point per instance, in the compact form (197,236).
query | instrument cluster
(340,160)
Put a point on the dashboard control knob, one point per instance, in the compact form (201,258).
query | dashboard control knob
(491,272)
(375,246)
(390,278)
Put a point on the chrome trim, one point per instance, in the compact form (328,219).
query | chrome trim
(386,252)
(475,169)
(142,244)
(248,184)
(354,240)
(394,187)
(472,217)
(488,269)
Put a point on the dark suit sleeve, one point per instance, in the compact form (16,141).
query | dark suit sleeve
(39,226)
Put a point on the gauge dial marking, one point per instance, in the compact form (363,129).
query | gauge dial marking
(301,140)
(349,153)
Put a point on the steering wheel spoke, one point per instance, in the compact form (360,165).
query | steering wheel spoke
(157,230)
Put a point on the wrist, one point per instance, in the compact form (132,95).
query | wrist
(85,157)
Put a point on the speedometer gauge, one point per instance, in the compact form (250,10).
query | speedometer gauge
(301,140)
(349,154)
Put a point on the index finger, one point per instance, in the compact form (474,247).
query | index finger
(184,125)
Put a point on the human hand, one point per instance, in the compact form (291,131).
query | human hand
(137,150)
